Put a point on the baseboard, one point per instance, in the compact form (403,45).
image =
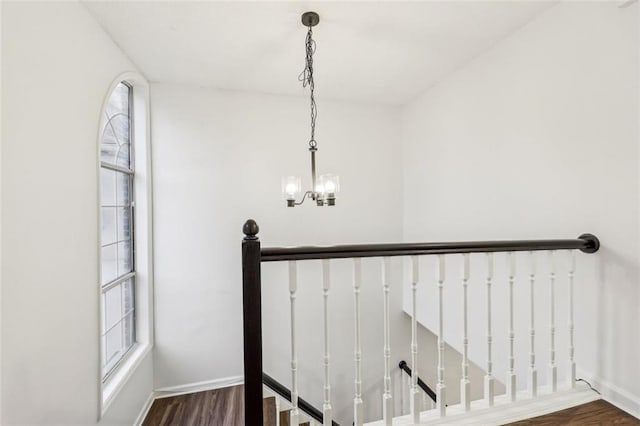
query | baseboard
(621,398)
(145,410)
(198,386)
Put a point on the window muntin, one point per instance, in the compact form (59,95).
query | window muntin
(116,239)
(115,142)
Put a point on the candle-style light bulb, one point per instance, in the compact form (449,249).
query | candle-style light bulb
(291,188)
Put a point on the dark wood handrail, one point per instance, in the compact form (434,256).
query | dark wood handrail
(587,243)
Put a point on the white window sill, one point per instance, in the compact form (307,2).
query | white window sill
(119,378)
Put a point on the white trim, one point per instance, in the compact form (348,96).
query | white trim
(613,394)
(145,410)
(143,191)
(199,386)
(121,376)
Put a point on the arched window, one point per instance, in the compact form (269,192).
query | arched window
(126,273)
(117,244)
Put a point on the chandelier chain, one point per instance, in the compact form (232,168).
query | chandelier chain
(306,77)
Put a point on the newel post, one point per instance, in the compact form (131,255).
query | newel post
(252,324)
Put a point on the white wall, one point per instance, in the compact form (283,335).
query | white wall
(538,138)
(559,96)
(57,68)
(218,159)
(1,7)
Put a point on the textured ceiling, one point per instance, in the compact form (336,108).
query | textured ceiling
(386,52)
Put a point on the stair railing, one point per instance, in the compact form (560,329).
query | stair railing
(285,393)
(402,365)
(253,255)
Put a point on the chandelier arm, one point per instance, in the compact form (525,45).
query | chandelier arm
(310,193)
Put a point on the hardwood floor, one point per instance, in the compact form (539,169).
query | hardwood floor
(225,407)
(220,407)
(594,413)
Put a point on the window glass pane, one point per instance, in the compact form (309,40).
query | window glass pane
(103,353)
(113,345)
(127,296)
(109,234)
(102,322)
(119,100)
(109,263)
(123,157)
(107,187)
(128,328)
(113,306)
(123,189)
(125,263)
(118,321)
(108,145)
(115,140)
(124,223)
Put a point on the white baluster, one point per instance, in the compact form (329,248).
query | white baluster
(465,384)
(572,363)
(404,384)
(488,378)
(357,400)
(511,375)
(294,414)
(424,401)
(387,401)
(533,373)
(277,410)
(441,389)
(326,283)
(553,369)
(414,395)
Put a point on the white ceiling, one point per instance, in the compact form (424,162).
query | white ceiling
(385,52)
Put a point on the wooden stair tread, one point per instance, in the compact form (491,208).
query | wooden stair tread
(269,412)
(284,418)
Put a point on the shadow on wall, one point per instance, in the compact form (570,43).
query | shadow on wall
(617,273)
(428,364)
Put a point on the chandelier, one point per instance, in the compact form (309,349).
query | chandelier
(325,188)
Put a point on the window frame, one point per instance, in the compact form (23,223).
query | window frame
(119,280)
(141,216)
